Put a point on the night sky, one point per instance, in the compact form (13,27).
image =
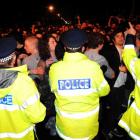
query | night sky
(29,10)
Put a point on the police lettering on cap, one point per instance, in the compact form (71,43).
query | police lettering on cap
(7,47)
(74,38)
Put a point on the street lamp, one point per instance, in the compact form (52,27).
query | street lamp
(51,8)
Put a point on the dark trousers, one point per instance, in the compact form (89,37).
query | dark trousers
(117,97)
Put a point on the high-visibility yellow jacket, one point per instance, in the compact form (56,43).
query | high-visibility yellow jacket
(130,120)
(77,83)
(20,106)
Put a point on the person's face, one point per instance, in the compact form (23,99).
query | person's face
(137,27)
(119,39)
(27,47)
(138,44)
(52,44)
(113,26)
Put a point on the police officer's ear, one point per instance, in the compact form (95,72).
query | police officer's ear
(13,61)
(65,48)
(83,49)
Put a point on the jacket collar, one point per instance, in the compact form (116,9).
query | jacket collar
(74,56)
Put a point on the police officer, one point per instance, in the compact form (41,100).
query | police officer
(20,106)
(77,83)
(131,118)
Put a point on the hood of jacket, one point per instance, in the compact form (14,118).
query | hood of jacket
(8,76)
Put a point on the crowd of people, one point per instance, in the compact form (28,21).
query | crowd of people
(75,82)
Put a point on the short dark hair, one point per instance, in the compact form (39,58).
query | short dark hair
(95,39)
(119,30)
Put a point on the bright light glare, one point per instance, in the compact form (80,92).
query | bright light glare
(51,8)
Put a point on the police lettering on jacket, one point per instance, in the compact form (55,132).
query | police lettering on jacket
(7,100)
(73,84)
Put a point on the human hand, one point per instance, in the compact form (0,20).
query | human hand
(49,61)
(123,68)
(131,30)
(38,70)
(22,56)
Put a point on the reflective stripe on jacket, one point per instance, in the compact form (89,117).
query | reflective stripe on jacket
(77,83)
(20,106)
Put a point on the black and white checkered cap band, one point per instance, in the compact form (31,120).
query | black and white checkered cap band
(2,60)
(73,48)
